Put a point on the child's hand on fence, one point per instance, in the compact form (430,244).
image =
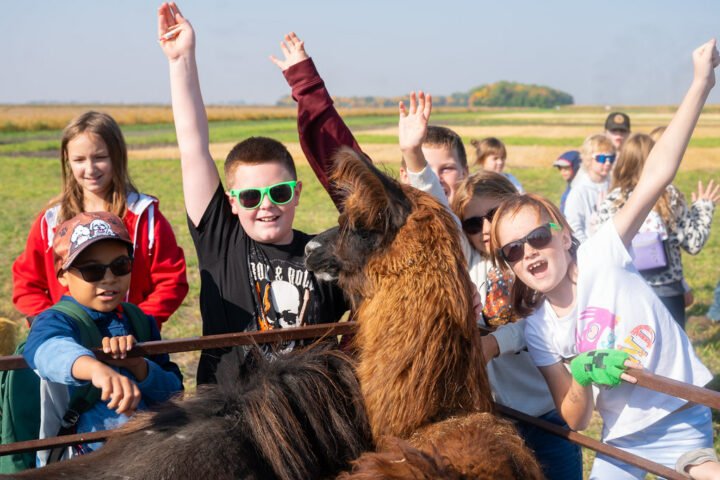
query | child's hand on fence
(705,59)
(413,124)
(117,348)
(175,34)
(602,367)
(293,50)
(711,192)
(123,393)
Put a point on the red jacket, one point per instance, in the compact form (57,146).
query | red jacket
(158,284)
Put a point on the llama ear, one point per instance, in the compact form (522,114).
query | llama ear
(377,201)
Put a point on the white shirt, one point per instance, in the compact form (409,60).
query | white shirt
(617,309)
(581,204)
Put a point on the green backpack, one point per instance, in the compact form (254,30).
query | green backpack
(20,389)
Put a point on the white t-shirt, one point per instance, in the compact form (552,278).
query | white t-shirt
(581,204)
(617,309)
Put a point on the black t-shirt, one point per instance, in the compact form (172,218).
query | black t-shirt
(247,286)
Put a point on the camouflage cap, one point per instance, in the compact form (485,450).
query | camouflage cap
(75,235)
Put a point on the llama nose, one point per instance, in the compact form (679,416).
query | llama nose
(312,245)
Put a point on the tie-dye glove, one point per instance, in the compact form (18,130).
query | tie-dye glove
(602,367)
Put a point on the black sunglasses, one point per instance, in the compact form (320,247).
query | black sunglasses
(94,272)
(474,225)
(538,238)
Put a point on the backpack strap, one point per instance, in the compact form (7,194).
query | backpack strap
(139,320)
(83,398)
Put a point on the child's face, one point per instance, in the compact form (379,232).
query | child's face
(90,163)
(268,223)
(494,163)
(617,137)
(566,173)
(600,171)
(443,161)
(103,295)
(480,206)
(542,269)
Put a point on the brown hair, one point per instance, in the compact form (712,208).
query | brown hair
(525,300)
(592,144)
(627,171)
(481,184)
(486,147)
(256,151)
(444,137)
(104,126)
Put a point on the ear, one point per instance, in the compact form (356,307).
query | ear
(298,191)
(61,278)
(404,176)
(566,239)
(233,203)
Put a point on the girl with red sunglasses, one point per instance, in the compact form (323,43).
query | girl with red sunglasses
(590,305)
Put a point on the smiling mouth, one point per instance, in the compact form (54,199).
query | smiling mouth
(108,293)
(268,219)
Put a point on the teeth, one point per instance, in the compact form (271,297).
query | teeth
(536,265)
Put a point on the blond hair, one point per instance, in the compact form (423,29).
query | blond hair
(486,147)
(627,172)
(593,144)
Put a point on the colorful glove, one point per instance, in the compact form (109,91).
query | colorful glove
(602,367)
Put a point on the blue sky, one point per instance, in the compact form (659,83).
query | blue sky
(608,53)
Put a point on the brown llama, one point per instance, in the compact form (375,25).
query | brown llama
(396,253)
(298,415)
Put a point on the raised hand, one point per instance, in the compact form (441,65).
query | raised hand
(293,50)
(175,34)
(705,59)
(711,192)
(413,124)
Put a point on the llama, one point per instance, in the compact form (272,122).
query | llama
(396,253)
(299,415)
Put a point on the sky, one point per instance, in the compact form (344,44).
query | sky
(616,52)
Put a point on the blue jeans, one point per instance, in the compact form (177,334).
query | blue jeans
(560,459)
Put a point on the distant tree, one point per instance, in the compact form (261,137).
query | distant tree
(498,94)
(513,94)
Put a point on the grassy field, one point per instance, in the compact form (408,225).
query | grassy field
(30,173)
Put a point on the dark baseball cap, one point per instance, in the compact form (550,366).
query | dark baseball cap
(617,121)
(85,229)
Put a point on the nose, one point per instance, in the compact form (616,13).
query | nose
(266,203)
(310,246)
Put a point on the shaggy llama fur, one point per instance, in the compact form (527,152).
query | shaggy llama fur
(396,253)
(296,416)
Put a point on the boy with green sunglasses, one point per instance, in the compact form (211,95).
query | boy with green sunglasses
(253,274)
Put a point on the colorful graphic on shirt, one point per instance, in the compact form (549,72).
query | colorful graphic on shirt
(497,309)
(599,329)
(639,342)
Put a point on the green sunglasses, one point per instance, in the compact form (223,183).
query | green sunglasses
(251,198)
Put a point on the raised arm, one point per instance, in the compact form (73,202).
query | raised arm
(412,128)
(664,159)
(200,175)
(321,129)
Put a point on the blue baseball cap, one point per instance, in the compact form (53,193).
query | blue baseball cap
(568,159)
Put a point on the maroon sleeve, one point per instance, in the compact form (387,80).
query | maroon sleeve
(321,129)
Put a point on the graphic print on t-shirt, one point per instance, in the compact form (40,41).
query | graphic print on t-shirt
(599,333)
(283,292)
